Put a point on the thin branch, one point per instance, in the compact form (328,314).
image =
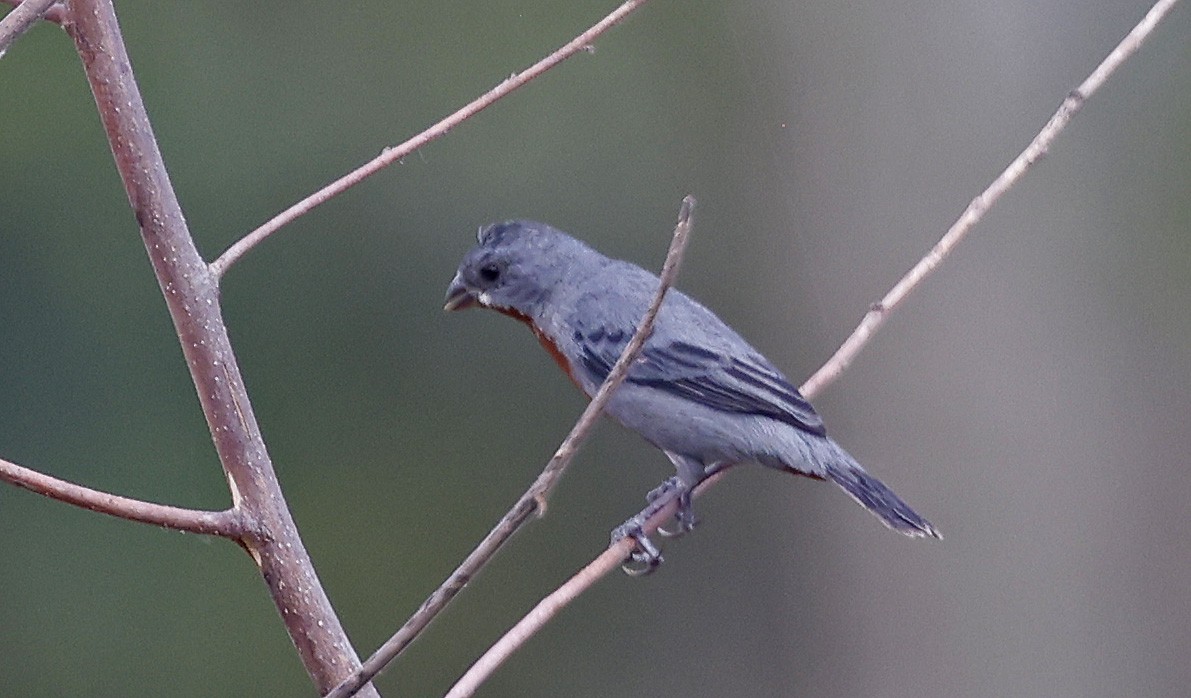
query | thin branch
(394,154)
(608,561)
(975,211)
(17,22)
(534,498)
(570,445)
(226,524)
(611,558)
(192,297)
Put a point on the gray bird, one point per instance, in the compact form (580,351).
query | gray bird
(698,391)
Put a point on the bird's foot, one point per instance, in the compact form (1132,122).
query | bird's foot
(666,489)
(646,556)
(684,517)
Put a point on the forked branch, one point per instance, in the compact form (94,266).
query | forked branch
(227,523)
(259,520)
(22,17)
(192,297)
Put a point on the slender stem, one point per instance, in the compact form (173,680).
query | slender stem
(227,523)
(607,561)
(570,445)
(537,618)
(534,498)
(394,154)
(974,213)
(191,295)
(20,20)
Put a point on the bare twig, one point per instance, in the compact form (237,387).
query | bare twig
(394,154)
(570,445)
(610,559)
(191,295)
(975,211)
(534,498)
(17,22)
(227,523)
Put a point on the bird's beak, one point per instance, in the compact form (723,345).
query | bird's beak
(458,295)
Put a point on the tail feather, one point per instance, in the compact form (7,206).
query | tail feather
(877,498)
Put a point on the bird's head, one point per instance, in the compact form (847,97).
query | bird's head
(515,267)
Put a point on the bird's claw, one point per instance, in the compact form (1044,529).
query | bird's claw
(646,556)
(684,517)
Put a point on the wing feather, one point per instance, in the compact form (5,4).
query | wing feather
(746,384)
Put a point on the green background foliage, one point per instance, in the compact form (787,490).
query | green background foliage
(1031,400)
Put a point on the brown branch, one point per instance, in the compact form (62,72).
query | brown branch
(17,22)
(534,498)
(394,154)
(611,558)
(227,523)
(191,295)
(980,205)
(607,562)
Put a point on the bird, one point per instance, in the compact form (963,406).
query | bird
(698,391)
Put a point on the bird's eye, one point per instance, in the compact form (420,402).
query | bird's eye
(490,273)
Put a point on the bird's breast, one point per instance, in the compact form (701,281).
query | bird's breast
(548,344)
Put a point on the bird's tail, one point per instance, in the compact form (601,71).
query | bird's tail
(875,496)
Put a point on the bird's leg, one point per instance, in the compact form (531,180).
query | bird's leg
(646,556)
(684,517)
(690,473)
(668,487)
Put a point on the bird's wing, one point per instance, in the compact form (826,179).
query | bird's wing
(729,379)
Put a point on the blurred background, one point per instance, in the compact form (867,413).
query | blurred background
(1031,399)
